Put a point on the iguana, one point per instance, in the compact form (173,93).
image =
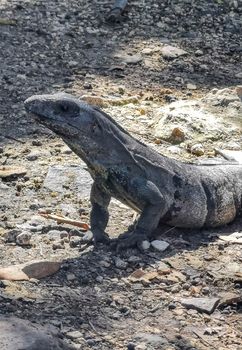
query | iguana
(161,189)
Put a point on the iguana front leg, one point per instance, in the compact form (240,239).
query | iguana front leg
(99,213)
(154,207)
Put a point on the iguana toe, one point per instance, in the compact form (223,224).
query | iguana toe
(101,237)
(133,240)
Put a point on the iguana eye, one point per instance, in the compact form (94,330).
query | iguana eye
(64,107)
(95,127)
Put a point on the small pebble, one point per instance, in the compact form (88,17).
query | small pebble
(131,346)
(145,245)
(197,149)
(160,245)
(23,238)
(36,143)
(120,264)
(191,86)
(58,245)
(32,156)
(171,306)
(70,277)
(74,242)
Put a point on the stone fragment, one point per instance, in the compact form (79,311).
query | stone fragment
(58,245)
(206,305)
(145,245)
(36,143)
(228,298)
(74,335)
(134,59)
(147,51)
(231,155)
(223,97)
(120,264)
(238,90)
(191,86)
(87,237)
(235,237)
(151,339)
(177,135)
(75,241)
(171,52)
(74,177)
(104,263)
(174,149)
(10,236)
(70,277)
(32,156)
(16,334)
(195,118)
(134,259)
(72,64)
(23,238)
(161,246)
(197,149)
(32,269)
(55,234)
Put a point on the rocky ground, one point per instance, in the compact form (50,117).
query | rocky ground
(170,72)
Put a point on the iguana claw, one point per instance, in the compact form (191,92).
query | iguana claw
(128,240)
(100,237)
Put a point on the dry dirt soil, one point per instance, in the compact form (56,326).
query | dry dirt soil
(60,45)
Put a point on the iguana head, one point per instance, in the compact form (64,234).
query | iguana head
(91,133)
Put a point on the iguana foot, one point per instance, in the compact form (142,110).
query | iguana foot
(128,240)
(125,235)
(100,237)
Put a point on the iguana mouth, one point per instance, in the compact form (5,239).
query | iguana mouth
(63,129)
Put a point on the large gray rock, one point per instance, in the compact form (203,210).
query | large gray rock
(206,305)
(19,334)
(224,97)
(7,196)
(73,177)
(211,118)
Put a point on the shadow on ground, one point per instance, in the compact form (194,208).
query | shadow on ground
(100,300)
(68,46)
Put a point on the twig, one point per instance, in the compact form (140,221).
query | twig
(205,342)
(12,138)
(92,326)
(65,220)
(170,229)
(158,287)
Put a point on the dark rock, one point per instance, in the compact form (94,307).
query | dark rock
(36,143)
(19,334)
(206,305)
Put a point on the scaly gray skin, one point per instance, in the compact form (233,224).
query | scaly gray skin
(161,189)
